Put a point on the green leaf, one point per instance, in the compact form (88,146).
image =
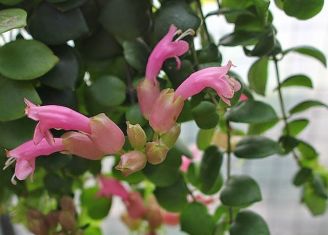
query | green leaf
(302,176)
(205,115)
(166,173)
(92,230)
(304,105)
(297,80)
(58,185)
(302,9)
(258,75)
(309,51)
(10,2)
(256,147)
(296,126)
(288,143)
(319,186)
(177,13)
(69,5)
(314,203)
(240,191)
(204,138)
(26,59)
(177,76)
(107,91)
(260,128)
(210,168)
(134,115)
(240,39)
(173,197)
(249,223)
(306,150)
(252,112)
(97,207)
(54,27)
(195,220)
(126,19)
(12,94)
(136,54)
(66,73)
(12,19)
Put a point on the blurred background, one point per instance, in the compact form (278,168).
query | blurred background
(280,206)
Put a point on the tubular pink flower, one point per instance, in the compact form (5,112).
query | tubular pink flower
(110,187)
(135,205)
(55,116)
(212,77)
(185,164)
(25,156)
(166,48)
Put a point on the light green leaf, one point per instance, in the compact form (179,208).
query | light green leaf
(297,80)
(204,138)
(309,51)
(296,126)
(12,19)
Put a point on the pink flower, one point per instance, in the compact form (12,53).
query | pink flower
(110,186)
(135,205)
(25,156)
(171,218)
(185,164)
(166,48)
(212,77)
(243,97)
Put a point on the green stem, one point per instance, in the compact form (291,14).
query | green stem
(199,5)
(282,107)
(229,164)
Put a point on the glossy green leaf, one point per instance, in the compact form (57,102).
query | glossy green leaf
(210,168)
(302,9)
(252,111)
(240,191)
(256,147)
(205,115)
(297,80)
(66,73)
(302,176)
(239,38)
(260,128)
(68,25)
(319,186)
(166,173)
(173,197)
(12,94)
(136,54)
(296,126)
(249,223)
(134,115)
(195,220)
(12,19)
(314,203)
(204,138)
(304,105)
(126,19)
(288,143)
(26,59)
(97,207)
(309,51)
(307,151)
(107,91)
(258,75)
(177,76)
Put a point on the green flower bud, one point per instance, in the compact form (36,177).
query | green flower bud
(136,135)
(132,162)
(156,152)
(170,137)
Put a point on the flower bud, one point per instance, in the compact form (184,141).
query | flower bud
(147,92)
(106,134)
(166,111)
(156,152)
(132,162)
(136,135)
(171,218)
(67,204)
(67,220)
(170,137)
(132,224)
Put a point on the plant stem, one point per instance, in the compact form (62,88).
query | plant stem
(199,5)
(194,55)
(282,107)
(229,163)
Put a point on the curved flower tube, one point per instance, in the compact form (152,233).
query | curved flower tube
(25,155)
(110,187)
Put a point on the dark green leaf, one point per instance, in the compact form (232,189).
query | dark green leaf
(296,126)
(210,168)
(26,59)
(177,76)
(302,176)
(136,54)
(306,105)
(134,115)
(12,94)
(258,75)
(204,138)
(260,128)
(173,197)
(12,19)
(239,38)
(288,143)
(240,191)
(297,80)
(249,223)
(195,220)
(252,112)
(97,207)
(319,186)
(309,51)
(205,115)
(256,147)
(302,9)
(58,185)
(69,5)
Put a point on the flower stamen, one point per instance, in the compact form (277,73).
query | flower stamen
(186,33)
(9,162)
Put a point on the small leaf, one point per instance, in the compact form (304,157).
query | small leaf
(26,59)
(204,138)
(302,176)
(252,111)
(315,204)
(296,126)
(297,80)
(195,220)
(136,54)
(288,143)
(319,186)
(309,51)
(258,75)
(12,19)
(307,151)
(260,128)
(205,115)
(302,9)
(306,105)
(240,191)
(249,223)
(256,147)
